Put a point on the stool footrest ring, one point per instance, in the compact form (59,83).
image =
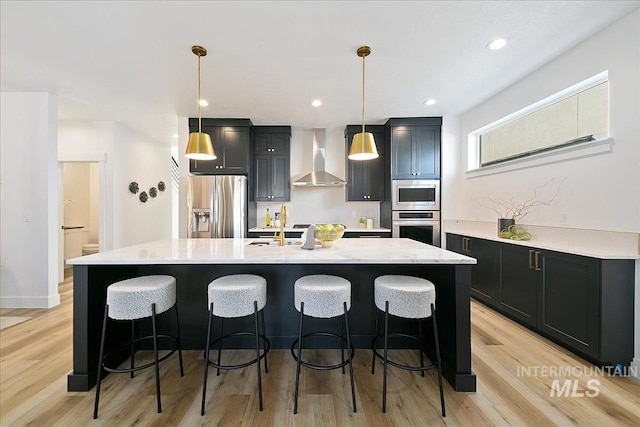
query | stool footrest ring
(396,364)
(139,368)
(323,367)
(245,364)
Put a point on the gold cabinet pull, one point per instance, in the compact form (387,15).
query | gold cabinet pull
(531,251)
(537,261)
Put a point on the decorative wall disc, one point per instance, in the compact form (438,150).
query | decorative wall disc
(133,187)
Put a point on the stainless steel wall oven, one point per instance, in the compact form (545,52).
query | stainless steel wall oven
(415,210)
(423,226)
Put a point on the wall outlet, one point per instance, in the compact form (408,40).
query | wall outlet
(354,214)
(26,216)
(564,218)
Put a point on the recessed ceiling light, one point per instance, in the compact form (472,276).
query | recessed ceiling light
(175,135)
(430,101)
(497,44)
(316,103)
(203,103)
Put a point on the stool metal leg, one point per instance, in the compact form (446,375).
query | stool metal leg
(373,345)
(155,353)
(421,347)
(386,348)
(435,335)
(295,399)
(220,345)
(264,334)
(353,389)
(133,335)
(99,379)
(342,342)
(206,359)
(179,340)
(255,315)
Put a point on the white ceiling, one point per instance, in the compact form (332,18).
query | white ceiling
(131,61)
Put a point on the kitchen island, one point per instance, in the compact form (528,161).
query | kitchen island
(196,262)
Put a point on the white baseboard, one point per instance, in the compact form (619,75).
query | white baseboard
(30,302)
(635,368)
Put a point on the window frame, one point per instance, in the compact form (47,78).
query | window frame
(566,150)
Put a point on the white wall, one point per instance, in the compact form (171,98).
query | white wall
(129,157)
(601,192)
(596,186)
(29,186)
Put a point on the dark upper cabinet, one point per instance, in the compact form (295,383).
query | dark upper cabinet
(230,139)
(517,288)
(415,148)
(365,177)
(271,160)
(271,143)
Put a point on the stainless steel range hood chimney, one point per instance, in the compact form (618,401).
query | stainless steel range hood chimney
(318,177)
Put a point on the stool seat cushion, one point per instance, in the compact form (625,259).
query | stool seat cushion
(132,298)
(323,295)
(233,295)
(409,297)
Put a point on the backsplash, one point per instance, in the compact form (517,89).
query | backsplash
(321,205)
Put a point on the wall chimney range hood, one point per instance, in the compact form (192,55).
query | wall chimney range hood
(318,177)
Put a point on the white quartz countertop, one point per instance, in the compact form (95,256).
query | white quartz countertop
(594,244)
(300,230)
(239,251)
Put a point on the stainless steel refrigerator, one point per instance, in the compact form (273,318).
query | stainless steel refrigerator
(217,206)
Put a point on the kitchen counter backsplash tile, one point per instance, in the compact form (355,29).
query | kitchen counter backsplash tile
(591,243)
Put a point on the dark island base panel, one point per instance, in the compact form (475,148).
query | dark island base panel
(282,319)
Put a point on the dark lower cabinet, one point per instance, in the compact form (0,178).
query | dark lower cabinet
(584,304)
(568,299)
(516,289)
(366,235)
(484,274)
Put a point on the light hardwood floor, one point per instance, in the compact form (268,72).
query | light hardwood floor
(36,357)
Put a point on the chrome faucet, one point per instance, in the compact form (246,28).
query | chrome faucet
(283,221)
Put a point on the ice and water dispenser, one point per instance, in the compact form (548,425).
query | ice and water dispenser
(200,220)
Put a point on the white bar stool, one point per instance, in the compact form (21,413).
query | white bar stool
(411,298)
(133,299)
(323,296)
(233,296)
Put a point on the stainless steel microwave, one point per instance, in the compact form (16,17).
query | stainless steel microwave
(423,194)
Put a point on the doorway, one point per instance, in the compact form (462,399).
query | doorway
(81,209)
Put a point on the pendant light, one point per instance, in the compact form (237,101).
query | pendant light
(363,146)
(199,146)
